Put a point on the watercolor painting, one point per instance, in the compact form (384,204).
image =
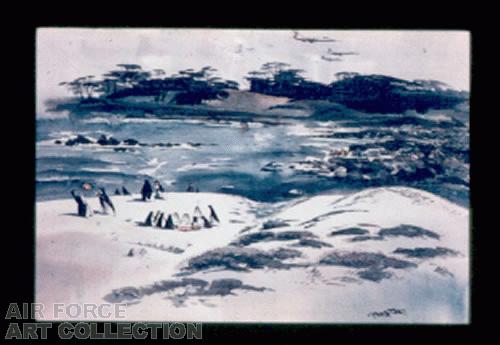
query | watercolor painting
(237,175)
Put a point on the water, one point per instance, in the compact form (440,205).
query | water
(215,157)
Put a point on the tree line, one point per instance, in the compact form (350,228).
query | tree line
(189,86)
(372,93)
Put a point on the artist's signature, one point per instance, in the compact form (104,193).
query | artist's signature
(387,313)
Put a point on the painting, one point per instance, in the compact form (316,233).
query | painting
(254,175)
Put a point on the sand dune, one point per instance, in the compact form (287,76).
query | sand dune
(381,255)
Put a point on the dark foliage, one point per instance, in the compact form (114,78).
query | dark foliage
(369,93)
(188,87)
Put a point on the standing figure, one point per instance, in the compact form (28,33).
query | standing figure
(83,207)
(177,219)
(105,201)
(213,215)
(206,223)
(197,212)
(125,191)
(155,218)
(185,222)
(159,221)
(158,188)
(197,222)
(169,224)
(149,219)
(146,191)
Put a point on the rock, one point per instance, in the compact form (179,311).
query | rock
(363,238)
(349,231)
(408,231)
(293,235)
(223,286)
(372,265)
(103,140)
(242,259)
(374,274)
(124,294)
(130,142)
(425,252)
(80,139)
(272,167)
(113,141)
(304,242)
(274,223)
(248,239)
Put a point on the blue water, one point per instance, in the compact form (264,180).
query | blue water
(213,156)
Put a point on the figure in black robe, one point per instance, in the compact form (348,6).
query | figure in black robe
(159,221)
(125,191)
(105,200)
(206,223)
(83,207)
(169,224)
(213,215)
(146,191)
(149,219)
(117,192)
(155,218)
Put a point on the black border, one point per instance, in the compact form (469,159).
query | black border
(20,263)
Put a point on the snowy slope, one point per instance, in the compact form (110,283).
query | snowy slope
(380,255)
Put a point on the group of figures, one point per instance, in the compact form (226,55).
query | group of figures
(159,219)
(122,191)
(185,223)
(147,190)
(83,207)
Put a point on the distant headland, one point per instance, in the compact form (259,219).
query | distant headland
(276,90)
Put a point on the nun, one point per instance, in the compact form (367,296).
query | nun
(149,219)
(105,201)
(213,215)
(146,191)
(83,207)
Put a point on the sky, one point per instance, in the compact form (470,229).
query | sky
(64,54)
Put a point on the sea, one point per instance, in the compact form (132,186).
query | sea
(266,162)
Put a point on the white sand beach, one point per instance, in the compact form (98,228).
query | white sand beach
(91,260)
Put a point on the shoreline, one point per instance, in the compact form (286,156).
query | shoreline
(342,190)
(242,105)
